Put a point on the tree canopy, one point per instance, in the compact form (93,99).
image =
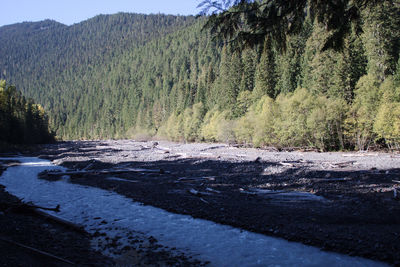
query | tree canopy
(248,22)
(137,76)
(21,120)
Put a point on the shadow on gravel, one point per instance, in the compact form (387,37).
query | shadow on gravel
(75,149)
(348,211)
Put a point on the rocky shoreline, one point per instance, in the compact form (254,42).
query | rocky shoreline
(342,202)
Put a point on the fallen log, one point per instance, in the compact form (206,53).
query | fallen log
(194,179)
(56,209)
(67,224)
(112,171)
(28,207)
(35,250)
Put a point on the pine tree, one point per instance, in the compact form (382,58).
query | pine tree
(249,64)
(382,37)
(265,80)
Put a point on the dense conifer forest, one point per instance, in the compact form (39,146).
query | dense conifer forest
(21,120)
(131,76)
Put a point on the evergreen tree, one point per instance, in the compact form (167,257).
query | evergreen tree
(382,37)
(265,80)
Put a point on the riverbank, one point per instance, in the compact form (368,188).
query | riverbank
(342,202)
(29,239)
(25,238)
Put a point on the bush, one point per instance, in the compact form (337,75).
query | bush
(387,122)
(361,117)
(217,127)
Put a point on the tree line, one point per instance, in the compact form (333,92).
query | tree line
(21,120)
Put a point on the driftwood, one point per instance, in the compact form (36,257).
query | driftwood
(111,171)
(35,250)
(213,190)
(360,155)
(288,164)
(121,179)
(205,201)
(28,208)
(67,224)
(333,179)
(341,164)
(21,207)
(161,149)
(56,209)
(194,179)
(199,194)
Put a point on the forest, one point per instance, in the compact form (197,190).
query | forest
(144,76)
(21,120)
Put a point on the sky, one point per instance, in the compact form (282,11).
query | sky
(73,11)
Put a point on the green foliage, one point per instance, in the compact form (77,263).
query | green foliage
(382,37)
(387,123)
(193,120)
(243,102)
(248,22)
(363,112)
(257,126)
(217,127)
(266,73)
(21,120)
(298,119)
(139,76)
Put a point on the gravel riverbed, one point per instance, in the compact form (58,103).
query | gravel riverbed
(343,201)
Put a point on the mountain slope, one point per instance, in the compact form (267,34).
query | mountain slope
(124,75)
(61,67)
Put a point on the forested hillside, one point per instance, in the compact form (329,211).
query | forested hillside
(126,75)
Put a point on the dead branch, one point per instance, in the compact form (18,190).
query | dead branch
(205,201)
(360,155)
(35,250)
(213,190)
(341,164)
(286,164)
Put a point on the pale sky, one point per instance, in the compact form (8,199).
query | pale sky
(73,11)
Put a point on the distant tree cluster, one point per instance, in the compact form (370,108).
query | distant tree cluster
(163,76)
(21,120)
